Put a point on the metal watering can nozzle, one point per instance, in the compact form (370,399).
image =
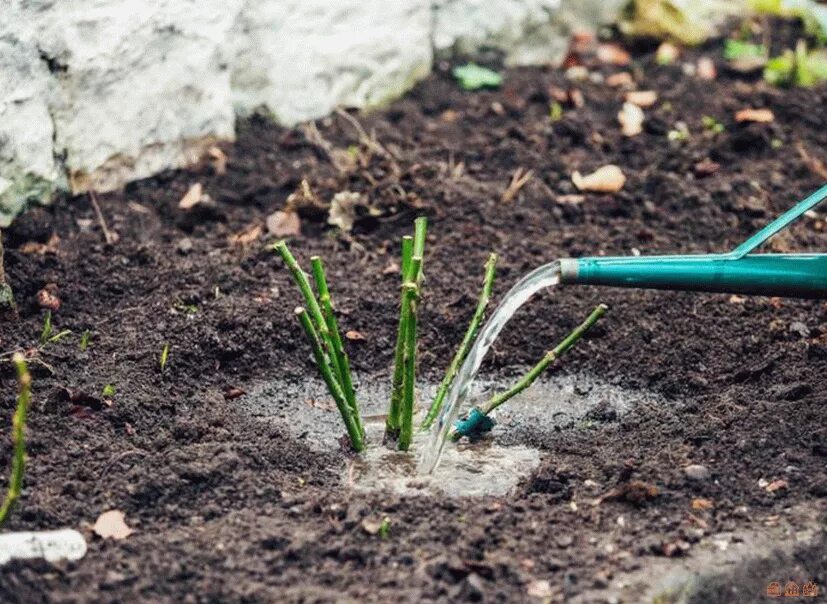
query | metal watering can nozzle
(738,271)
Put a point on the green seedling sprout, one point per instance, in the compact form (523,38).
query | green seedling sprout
(712,125)
(384,528)
(59,336)
(797,68)
(46,332)
(735,50)
(108,391)
(164,357)
(465,345)
(478,415)
(18,435)
(84,340)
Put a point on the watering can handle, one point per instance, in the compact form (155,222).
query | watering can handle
(780,223)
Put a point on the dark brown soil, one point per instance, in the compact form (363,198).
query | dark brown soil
(227,509)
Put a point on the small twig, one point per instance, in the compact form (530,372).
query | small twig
(815,164)
(109,236)
(465,345)
(369,140)
(18,437)
(518,180)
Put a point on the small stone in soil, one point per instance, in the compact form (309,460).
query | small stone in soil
(697,472)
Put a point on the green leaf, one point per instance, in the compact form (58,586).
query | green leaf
(473,77)
(779,70)
(736,49)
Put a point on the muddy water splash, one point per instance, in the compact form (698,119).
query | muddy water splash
(547,275)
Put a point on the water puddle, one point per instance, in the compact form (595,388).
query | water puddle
(492,466)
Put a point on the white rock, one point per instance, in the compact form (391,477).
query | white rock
(301,58)
(52,546)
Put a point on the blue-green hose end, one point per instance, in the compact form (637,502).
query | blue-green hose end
(475,424)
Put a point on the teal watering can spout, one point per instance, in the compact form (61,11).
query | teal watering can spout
(738,271)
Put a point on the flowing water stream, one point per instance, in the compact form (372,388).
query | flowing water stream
(547,275)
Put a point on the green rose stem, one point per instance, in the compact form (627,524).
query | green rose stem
(465,345)
(549,358)
(351,423)
(410,247)
(410,297)
(18,436)
(300,277)
(341,363)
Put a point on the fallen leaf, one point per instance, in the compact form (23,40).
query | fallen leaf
(343,209)
(620,80)
(635,491)
(706,167)
(35,247)
(706,69)
(218,159)
(449,116)
(761,116)
(631,119)
(571,199)
(192,197)
(247,236)
(111,525)
(354,336)
(284,224)
(539,589)
(607,179)
(666,54)
(232,393)
(642,98)
(776,485)
(391,269)
(613,54)
(474,77)
(702,504)
(48,299)
(372,526)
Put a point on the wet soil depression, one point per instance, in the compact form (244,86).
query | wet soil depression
(228,507)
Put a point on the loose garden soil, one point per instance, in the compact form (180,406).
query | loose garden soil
(229,508)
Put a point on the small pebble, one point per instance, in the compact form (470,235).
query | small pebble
(696,472)
(184,245)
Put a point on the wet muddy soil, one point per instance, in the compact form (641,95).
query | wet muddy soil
(229,507)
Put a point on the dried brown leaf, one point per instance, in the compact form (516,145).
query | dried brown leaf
(193,196)
(112,525)
(631,119)
(613,54)
(761,116)
(607,179)
(247,236)
(642,98)
(284,224)
(218,159)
